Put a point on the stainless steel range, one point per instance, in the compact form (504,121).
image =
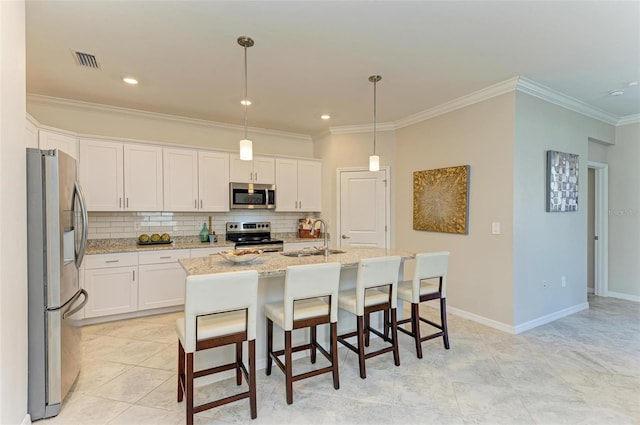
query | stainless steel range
(253,235)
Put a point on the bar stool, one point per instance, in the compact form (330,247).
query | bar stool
(373,275)
(302,307)
(428,266)
(220,309)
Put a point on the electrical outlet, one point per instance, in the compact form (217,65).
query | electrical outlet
(495,228)
(563,281)
(137,225)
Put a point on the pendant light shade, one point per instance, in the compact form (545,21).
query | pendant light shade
(246,145)
(374,160)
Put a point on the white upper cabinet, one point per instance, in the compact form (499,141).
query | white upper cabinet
(213,181)
(121,177)
(298,185)
(196,181)
(52,140)
(180,180)
(260,170)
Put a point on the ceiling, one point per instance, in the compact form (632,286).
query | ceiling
(315,57)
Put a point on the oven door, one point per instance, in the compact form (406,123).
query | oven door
(252,196)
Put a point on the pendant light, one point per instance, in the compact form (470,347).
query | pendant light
(246,145)
(374,160)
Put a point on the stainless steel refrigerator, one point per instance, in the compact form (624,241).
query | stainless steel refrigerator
(56,240)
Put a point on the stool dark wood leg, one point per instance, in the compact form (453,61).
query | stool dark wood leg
(394,336)
(312,337)
(415,327)
(189,388)
(386,323)
(252,379)
(180,371)
(334,354)
(269,345)
(360,331)
(443,318)
(366,329)
(288,366)
(238,362)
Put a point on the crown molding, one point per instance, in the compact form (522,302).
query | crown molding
(362,128)
(552,96)
(76,104)
(461,102)
(629,119)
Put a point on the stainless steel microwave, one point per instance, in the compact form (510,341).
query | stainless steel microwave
(252,196)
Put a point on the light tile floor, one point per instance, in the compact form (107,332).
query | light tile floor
(582,369)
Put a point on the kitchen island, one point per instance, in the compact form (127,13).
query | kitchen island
(271,269)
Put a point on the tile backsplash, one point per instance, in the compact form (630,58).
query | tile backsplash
(109,225)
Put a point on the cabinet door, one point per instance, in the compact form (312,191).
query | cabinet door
(51,140)
(264,170)
(309,185)
(286,184)
(161,285)
(101,174)
(180,180)
(111,291)
(213,181)
(240,171)
(142,178)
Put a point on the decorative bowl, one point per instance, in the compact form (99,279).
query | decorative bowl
(241,255)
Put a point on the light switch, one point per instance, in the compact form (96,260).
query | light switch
(495,228)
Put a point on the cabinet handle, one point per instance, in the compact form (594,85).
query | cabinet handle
(119,202)
(195,203)
(300,204)
(134,275)
(165,257)
(127,202)
(112,261)
(255,177)
(251,176)
(200,203)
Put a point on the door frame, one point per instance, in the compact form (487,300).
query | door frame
(387,201)
(601,253)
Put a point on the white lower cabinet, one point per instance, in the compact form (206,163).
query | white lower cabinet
(162,278)
(111,282)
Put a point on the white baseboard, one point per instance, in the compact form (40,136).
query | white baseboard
(509,328)
(622,296)
(26,420)
(550,317)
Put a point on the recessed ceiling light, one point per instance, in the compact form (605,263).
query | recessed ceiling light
(325,117)
(245,102)
(617,93)
(130,80)
(633,83)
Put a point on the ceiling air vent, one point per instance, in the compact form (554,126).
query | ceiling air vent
(86,59)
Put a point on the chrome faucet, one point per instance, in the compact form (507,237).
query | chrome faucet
(326,241)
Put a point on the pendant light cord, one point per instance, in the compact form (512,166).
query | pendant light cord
(375,84)
(245,93)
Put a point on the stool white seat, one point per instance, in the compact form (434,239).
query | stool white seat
(305,288)
(220,309)
(429,267)
(373,275)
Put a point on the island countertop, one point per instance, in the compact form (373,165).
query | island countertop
(275,264)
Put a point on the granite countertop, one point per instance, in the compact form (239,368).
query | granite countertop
(275,264)
(108,246)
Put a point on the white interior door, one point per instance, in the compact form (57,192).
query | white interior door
(363,208)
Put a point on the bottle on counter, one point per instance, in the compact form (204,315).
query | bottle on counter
(204,233)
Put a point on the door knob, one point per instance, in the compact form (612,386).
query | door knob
(346,237)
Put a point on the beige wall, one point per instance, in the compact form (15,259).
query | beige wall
(480,135)
(350,150)
(13,228)
(121,123)
(549,245)
(624,212)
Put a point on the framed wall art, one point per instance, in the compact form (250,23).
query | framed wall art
(562,182)
(441,200)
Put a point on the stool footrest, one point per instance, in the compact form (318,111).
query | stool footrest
(312,373)
(429,322)
(216,369)
(220,402)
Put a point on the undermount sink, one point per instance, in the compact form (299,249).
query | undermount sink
(311,252)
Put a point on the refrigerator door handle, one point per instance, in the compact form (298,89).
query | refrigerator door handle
(85,223)
(79,307)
